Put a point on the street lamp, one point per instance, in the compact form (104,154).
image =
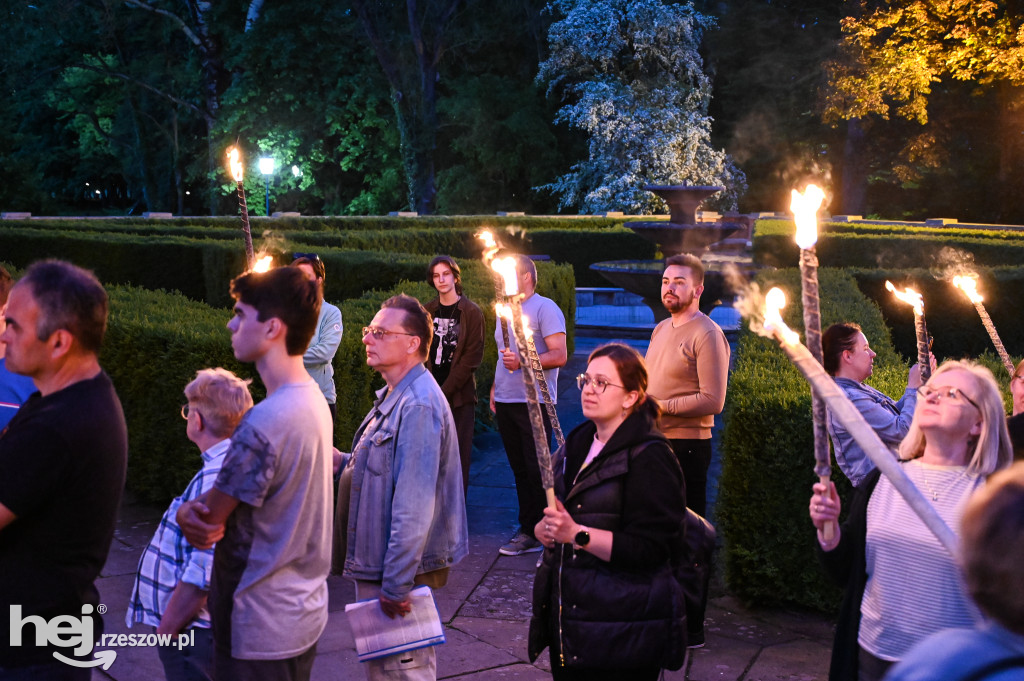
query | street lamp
(267,169)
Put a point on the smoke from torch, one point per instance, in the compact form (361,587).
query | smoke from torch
(969,285)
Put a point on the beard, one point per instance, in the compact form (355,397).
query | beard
(676,304)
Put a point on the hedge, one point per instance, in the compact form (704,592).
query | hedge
(902,248)
(157,340)
(768,458)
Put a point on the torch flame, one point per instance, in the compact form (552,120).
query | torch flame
(908,296)
(503,311)
(506,267)
(774,301)
(969,285)
(490,246)
(805,208)
(527,331)
(263,264)
(235,163)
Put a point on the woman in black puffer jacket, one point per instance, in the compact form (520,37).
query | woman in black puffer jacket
(605,599)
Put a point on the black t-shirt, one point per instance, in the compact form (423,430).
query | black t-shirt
(62,471)
(446,337)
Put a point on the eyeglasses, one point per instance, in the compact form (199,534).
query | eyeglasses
(187,410)
(311,256)
(600,385)
(946,392)
(379,333)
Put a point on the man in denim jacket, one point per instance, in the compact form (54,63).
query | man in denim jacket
(407,513)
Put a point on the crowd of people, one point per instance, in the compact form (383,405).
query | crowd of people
(239,562)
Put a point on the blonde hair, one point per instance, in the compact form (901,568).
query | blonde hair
(991,450)
(221,397)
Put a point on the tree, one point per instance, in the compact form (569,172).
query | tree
(911,59)
(634,81)
(409,43)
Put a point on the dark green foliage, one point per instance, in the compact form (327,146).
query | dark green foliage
(155,343)
(768,451)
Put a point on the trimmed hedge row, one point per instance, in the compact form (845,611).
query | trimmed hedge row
(151,254)
(893,249)
(157,341)
(768,457)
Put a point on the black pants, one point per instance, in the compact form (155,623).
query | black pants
(298,668)
(694,458)
(517,436)
(465,418)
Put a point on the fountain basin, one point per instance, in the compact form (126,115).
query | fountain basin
(643,277)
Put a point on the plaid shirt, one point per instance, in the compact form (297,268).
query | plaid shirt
(170,559)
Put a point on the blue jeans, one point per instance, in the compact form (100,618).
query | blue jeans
(191,663)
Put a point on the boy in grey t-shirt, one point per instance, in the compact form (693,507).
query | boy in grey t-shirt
(272,499)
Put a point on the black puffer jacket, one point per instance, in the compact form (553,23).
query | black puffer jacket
(629,611)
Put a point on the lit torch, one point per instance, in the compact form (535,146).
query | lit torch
(235,163)
(848,415)
(263,264)
(490,250)
(805,207)
(540,435)
(916,300)
(969,285)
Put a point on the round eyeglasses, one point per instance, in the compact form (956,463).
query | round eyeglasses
(946,392)
(187,410)
(600,384)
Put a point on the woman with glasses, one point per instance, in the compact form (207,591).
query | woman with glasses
(605,600)
(850,361)
(901,583)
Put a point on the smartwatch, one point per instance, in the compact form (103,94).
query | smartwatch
(582,538)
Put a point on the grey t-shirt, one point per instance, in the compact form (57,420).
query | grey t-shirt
(269,590)
(544,319)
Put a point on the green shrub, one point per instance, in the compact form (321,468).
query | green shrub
(768,457)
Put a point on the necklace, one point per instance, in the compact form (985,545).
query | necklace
(935,493)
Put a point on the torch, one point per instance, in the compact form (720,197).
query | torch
(913,298)
(804,207)
(969,285)
(236,171)
(490,250)
(847,414)
(519,329)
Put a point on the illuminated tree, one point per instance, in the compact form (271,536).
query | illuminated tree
(634,81)
(898,58)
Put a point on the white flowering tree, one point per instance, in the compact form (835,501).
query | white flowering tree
(633,80)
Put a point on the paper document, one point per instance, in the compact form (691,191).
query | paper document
(376,635)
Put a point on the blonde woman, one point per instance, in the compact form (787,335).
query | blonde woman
(901,584)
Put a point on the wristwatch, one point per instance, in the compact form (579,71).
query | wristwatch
(581,539)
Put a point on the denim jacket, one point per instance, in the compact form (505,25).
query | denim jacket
(889,419)
(407,513)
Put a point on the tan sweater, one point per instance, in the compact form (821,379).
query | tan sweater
(688,368)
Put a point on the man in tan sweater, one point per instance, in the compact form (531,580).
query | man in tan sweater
(688,366)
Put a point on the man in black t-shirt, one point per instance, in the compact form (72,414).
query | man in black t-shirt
(456,351)
(62,470)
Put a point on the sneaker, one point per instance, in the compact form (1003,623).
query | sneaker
(695,640)
(520,544)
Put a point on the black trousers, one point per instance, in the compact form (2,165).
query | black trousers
(694,458)
(517,435)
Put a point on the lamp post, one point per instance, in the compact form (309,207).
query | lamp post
(267,169)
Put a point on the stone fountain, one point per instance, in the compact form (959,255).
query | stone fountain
(681,234)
